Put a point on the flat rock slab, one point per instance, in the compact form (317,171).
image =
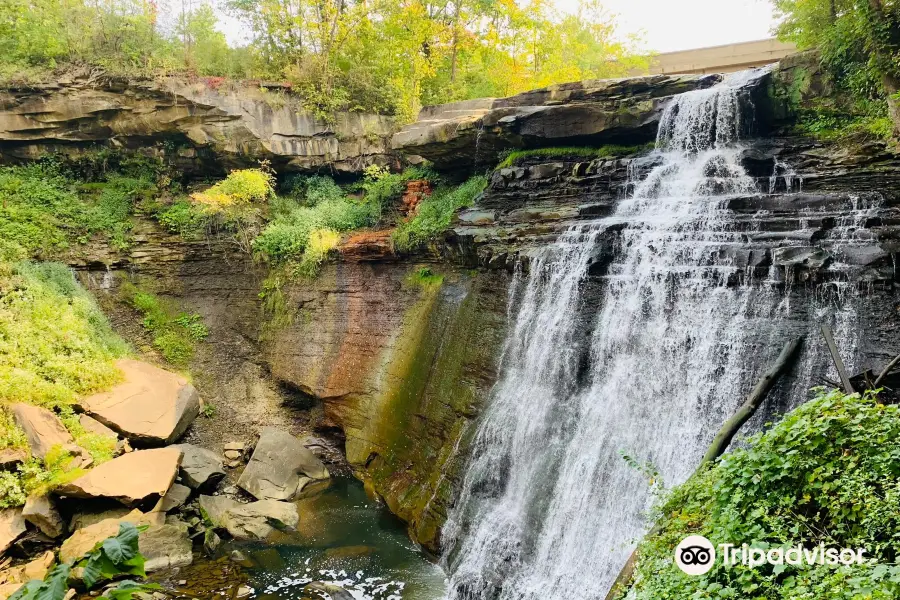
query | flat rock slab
(279,466)
(131,479)
(12,525)
(152,407)
(201,469)
(42,428)
(259,520)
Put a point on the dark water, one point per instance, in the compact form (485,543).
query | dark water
(346,539)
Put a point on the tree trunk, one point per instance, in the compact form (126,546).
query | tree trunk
(753,401)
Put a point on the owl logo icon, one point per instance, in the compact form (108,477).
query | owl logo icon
(695,555)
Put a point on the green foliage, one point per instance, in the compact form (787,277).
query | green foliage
(424,277)
(859,44)
(175,333)
(244,186)
(828,123)
(42,211)
(514,157)
(113,557)
(209,410)
(435,213)
(184,218)
(55,342)
(828,472)
(287,236)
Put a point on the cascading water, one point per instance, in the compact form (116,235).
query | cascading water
(548,507)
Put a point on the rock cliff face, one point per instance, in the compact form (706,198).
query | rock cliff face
(469,134)
(204,125)
(398,360)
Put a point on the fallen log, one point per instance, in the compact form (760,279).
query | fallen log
(751,404)
(836,358)
(886,370)
(722,440)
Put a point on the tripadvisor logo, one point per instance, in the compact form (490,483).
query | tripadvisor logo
(696,555)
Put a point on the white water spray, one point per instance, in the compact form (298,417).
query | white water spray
(548,508)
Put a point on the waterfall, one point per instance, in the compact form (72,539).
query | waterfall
(548,508)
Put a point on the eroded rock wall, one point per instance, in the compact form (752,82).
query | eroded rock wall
(402,362)
(203,125)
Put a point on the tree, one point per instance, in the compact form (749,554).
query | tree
(859,41)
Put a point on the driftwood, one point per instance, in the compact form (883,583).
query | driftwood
(838,363)
(886,370)
(723,439)
(748,408)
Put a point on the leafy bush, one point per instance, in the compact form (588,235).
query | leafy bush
(113,557)
(43,211)
(184,218)
(174,332)
(55,343)
(244,186)
(435,213)
(828,472)
(321,243)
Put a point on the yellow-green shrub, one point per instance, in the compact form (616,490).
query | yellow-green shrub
(246,186)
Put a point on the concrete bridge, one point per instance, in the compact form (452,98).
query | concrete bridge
(722,59)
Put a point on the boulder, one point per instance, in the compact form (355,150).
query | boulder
(132,479)
(277,466)
(214,507)
(151,407)
(165,546)
(175,497)
(40,511)
(36,569)
(201,469)
(259,520)
(12,525)
(42,428)
(336,592)
(83,540)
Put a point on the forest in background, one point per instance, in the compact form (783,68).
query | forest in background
(385,56)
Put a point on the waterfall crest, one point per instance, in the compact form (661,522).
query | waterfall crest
(548,508)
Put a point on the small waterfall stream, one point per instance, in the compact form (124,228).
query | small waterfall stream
(548,508)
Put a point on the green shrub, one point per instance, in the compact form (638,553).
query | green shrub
(184,218)
(43,211)
(828,472)
(55,343)
(513,157)
(245,186)
(175,333)
(435,213)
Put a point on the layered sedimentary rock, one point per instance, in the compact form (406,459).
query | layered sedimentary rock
(203,124)
(471,133)
(401,361)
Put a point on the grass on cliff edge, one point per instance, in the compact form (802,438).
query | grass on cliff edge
(828,472)
(55,344)
(610,151)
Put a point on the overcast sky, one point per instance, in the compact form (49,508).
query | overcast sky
(667,24)
(684,24)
